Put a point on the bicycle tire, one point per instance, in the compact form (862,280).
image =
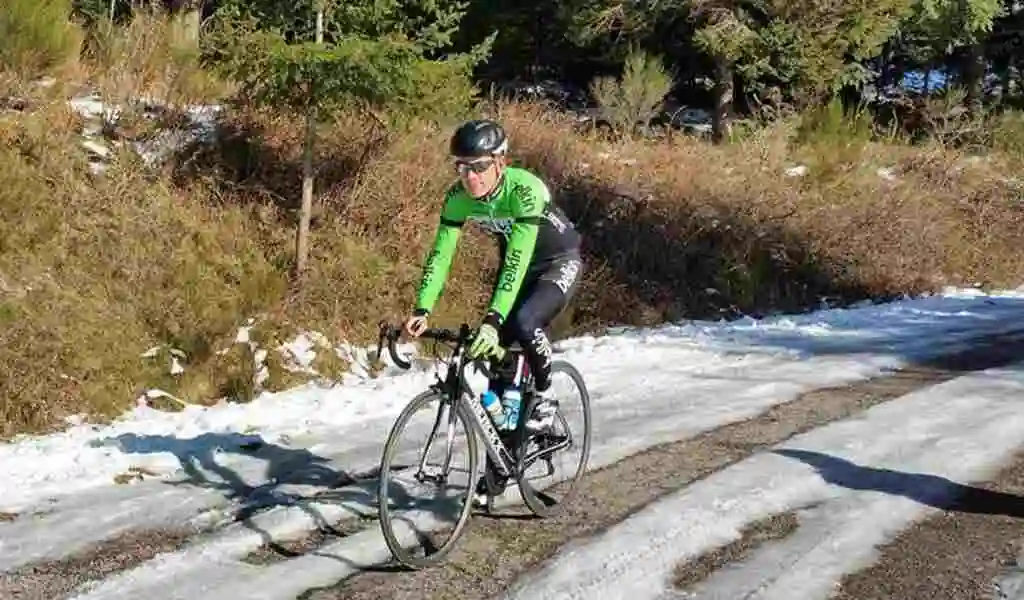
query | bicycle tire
(529,495)
(398,550)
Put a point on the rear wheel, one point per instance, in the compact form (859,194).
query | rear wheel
(425,535)
(552,463)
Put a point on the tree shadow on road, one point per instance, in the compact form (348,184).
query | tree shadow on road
(929,490)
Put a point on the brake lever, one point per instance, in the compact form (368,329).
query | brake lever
(481,368)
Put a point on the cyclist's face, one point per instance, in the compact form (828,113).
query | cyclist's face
(479,175)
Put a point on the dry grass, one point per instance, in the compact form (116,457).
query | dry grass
(670,221)
(146,60)
(94,271)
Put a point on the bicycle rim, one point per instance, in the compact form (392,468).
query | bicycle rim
(542,502)
(416,541)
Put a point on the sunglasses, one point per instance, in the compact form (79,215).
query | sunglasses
(465,167)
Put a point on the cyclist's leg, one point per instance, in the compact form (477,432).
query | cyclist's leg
(536,309)
(497,385)
(541,299)
(506,336)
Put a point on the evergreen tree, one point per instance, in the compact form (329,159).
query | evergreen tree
(948,25)
(810,48)
(370,56)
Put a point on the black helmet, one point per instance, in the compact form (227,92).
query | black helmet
(478,138)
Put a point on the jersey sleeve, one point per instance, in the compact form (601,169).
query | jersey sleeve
(527,209)
(439,259)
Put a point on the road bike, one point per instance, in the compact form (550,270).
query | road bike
(511,453)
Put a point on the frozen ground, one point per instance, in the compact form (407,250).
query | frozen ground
(648,386)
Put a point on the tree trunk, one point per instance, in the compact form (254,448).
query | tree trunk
(1005,80)
(306,212)
(740,103)
(187,16)
(974,74)
(1014,79)
(885,68)
(723,94)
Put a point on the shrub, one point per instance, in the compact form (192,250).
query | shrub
(635,97)
(37,35)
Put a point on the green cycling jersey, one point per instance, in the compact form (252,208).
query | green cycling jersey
(531,233)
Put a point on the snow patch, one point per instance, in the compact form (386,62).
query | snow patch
(199,125)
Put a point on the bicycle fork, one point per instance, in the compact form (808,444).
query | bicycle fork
(421,473)
(482,427)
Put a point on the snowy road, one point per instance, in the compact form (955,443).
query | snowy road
(648,387)
(853,484)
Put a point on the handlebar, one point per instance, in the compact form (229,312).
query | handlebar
(392,333)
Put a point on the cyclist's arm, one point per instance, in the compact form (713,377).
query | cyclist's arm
(439,260)
(519,253)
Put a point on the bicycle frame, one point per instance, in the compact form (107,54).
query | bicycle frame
(505,450)
(456,390)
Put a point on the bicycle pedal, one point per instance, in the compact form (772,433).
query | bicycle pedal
(435,479)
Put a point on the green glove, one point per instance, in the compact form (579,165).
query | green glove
(485,343)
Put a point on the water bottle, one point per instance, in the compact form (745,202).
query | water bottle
(511,401)
(490,401)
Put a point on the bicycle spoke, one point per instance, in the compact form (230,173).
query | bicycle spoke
(422,517)
(451,444)
(559,485)
(430,440)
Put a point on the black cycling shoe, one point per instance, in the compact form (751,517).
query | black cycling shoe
(485,490)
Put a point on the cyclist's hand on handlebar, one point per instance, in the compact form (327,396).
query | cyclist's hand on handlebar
(485,343)
(415,325)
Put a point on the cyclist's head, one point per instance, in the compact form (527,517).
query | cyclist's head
(478,148)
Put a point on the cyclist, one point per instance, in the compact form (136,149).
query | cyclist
(539,246)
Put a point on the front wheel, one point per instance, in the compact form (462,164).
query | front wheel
(425,535)
(559,455)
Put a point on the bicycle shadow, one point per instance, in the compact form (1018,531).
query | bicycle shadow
(198,459)
(930,490)
(257,490)
(384,563)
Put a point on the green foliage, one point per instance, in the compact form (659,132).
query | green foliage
(830,124)
(956,22)
(637,96)
(430,24)
(839,37)
(388,76)
(1008,133)
(37,35)
(934,29)
(810,47)
(529,36)
(727,34)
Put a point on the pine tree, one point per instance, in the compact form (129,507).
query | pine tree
(370,56)
(947,25)
(811,48)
